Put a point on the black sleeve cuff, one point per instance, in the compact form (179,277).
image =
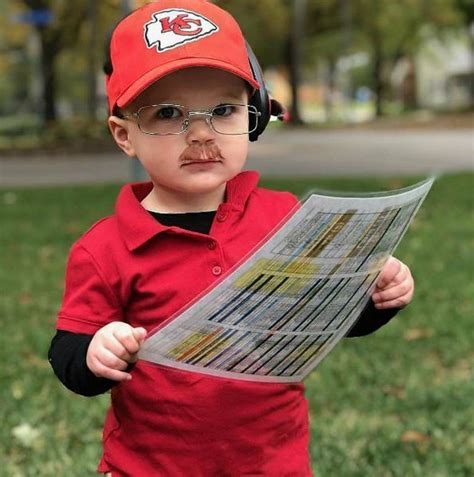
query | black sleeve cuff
(67,355)
(371,319)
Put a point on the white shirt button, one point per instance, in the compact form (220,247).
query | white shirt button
(216,270)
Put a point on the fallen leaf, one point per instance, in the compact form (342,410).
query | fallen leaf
(73,227)
(36,361)
(397,391)
(414,436)
(414,334)
(395,184)
(25,298)
(46,253)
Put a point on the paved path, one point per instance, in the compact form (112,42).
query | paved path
(280,153)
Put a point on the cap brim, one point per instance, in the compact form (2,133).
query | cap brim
(155,74)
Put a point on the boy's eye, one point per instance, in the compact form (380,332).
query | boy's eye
(223,110)
(168,112)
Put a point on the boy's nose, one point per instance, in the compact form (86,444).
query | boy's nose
(199,130)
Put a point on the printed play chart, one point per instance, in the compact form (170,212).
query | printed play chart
(279,313)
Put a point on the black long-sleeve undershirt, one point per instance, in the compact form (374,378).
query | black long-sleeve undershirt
(68,351)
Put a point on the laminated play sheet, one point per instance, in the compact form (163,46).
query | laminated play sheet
(280,312)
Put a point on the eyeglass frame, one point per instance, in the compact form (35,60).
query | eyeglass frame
(190,113)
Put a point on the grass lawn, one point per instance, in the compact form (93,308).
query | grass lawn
(397,403)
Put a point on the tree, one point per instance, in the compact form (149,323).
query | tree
(54,37)
(13,67)
(294,56)
(282,40)
(278,31)
(264,24)
(466,8)
(392,31)
(329,36)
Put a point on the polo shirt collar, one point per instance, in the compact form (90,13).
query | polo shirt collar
(137,226)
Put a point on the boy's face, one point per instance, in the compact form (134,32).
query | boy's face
(199,161)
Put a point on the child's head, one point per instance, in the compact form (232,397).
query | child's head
(178,90)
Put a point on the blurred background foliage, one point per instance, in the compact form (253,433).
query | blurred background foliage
(328,60)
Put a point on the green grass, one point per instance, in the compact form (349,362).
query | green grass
(397,403)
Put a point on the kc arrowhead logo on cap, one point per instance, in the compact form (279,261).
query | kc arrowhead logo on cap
(172,28)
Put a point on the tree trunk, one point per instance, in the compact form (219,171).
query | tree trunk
(55,37)
(295,116)
(92,66)
(330,88)
(377,78)
(48,57)
(409,96)
(294,59)
(470,32)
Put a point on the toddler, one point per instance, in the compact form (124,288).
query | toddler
(185,95)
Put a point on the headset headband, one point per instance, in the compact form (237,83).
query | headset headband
(261,99)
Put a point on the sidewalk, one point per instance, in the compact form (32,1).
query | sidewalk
(291,153)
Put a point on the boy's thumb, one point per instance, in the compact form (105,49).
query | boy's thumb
(139,333)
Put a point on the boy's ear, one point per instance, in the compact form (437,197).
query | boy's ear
(119,129)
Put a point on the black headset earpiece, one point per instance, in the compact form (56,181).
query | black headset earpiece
(260,98)
(265,105)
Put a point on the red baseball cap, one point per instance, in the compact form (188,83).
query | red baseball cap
(169,35)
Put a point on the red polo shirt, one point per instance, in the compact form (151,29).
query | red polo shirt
(166,422)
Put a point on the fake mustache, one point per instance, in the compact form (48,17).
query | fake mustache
(201,152)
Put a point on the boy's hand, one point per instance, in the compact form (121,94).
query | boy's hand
(394,287)
(113,348)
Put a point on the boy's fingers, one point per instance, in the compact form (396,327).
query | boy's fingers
(133,358)
(399,302)
(103,371)
(126,338)
(140,334)
(118,349)
(402,276)
(392,293)
(390,270)
(110,360)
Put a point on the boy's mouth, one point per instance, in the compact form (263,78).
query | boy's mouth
(201,153)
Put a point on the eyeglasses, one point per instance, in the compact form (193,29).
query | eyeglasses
(173,119)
